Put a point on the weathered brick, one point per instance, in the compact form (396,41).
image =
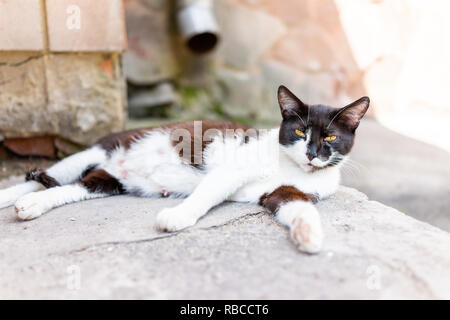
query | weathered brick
(21,25)
(86,25)
(4,153)
(35,146)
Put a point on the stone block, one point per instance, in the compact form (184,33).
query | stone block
(309,87)
(150,56)
(242,95)
(247,33)
(79,97)
(23,96)
(142,100)
(14,33)
(85,95)
(85,25)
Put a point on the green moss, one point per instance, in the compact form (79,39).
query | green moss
(191,94)
(198,103)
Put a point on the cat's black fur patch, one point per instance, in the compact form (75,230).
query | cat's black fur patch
(42,177)
(88,170)
(320,121)
(101,181)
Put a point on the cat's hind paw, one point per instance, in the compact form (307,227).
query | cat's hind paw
(306,232)
(174,219)
(7,198)
(30,206)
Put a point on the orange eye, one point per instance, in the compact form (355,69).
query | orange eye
(300,133)
(330,138)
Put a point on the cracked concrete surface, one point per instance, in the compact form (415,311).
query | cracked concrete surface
(235,252)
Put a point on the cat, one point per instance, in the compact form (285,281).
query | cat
(286,170)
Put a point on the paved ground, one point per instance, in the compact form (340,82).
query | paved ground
(108,248)
(404,173)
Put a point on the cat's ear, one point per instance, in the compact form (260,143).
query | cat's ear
(289,103)
(351,115)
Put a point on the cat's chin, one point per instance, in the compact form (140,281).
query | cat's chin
(308,167)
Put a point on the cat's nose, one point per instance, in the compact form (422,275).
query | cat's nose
(311,155)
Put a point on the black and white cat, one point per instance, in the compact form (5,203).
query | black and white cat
(286,170)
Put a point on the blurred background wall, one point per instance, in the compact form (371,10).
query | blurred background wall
(65,80)
(328,51)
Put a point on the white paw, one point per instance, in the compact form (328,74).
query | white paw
(30,206)
(173,219)
(306,231)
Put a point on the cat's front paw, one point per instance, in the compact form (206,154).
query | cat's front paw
(306,231)
(30,206)
(174,219)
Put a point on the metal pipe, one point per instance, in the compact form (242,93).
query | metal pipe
(197,25)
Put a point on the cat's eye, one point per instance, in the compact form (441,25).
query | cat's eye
(330,138)
(299,133)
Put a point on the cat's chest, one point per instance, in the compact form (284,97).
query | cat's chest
(321,183)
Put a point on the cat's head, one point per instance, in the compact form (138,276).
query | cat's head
(317,136)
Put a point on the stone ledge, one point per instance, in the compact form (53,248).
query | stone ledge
(79,97)
(235,252)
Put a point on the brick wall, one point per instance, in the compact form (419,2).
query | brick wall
(61,80)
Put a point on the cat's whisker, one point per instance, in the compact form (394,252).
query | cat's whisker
(350,165)
(298,116)
(348,172)
(352,170)
(358,166)
(355,162)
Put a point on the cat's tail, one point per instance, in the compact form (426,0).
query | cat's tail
(64,172)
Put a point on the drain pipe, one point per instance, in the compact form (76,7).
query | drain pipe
(197,25)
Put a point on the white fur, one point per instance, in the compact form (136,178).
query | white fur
(230,165)
(10,195)
(66,171)
(34,204)
(297,152)
(287,172)
(304,225)
(151,166)
(69,169)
